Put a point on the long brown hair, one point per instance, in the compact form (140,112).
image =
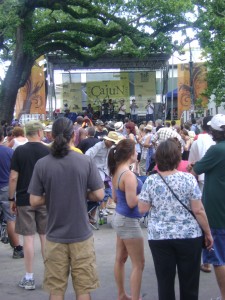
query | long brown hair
(119,154)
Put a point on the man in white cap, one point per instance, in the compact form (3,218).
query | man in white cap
(99,152)
(119,128)
(48,139)
(213,165)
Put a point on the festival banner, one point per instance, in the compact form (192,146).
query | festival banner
(184,89)
(31,99)
(200,83)
(113,86)
(144,88)
(184,95)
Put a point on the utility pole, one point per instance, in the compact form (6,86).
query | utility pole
(191,82)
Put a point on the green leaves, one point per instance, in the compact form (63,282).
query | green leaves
(211,34)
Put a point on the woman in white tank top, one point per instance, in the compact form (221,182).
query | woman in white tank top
(19,138)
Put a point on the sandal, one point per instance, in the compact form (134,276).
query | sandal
(205,268)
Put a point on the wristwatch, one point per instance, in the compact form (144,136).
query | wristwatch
(11,199)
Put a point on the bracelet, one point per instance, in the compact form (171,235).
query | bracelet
(11,199)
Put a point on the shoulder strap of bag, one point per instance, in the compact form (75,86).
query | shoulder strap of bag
(177,197)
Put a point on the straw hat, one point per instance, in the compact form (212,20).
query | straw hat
(113,137)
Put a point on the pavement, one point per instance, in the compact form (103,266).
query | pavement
(12,270)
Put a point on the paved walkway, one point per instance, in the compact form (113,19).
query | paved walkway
(12,270)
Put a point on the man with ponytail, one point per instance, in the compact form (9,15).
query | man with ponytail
(64,180)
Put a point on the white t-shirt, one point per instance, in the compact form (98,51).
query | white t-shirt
(199,148)
(150,109)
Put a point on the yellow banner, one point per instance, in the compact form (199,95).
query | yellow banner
(115,89)
(145,88)
(31,98)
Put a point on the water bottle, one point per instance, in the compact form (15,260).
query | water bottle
(101,220)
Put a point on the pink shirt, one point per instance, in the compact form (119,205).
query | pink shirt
(181,167)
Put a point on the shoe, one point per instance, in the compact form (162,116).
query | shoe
(27,284)
(205,268)
(111,205)
(104,212)
(109,212)
(18,253)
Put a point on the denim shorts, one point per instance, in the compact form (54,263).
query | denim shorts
(216,256)
(108,194)
(5,204)
(127,228)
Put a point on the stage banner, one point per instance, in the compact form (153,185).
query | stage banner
(144,88)
(31,99)
(184,89)
(113,86)
(71,94)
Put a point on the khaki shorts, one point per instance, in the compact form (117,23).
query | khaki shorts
(30,220)
(79,258)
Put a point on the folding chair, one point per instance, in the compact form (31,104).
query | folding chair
(93,214)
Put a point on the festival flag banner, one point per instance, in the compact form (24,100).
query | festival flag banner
(31,99)
(184,89)
(200,83)
(184,95)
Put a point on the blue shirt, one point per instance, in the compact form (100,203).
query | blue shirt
(5,161)
(122,207)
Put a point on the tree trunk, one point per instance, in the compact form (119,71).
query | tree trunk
(16,76)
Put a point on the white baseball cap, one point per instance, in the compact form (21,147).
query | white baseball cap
(217,121)
(48,128)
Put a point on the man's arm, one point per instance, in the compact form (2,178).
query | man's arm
(97,195)
(37,200)
(200,215)
(93,151)
(208,162)
(13,178)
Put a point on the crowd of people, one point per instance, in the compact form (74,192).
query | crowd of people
(174,174)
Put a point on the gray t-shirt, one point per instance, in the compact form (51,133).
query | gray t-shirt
(65,182)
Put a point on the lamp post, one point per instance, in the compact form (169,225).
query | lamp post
(171,105)
(191,82)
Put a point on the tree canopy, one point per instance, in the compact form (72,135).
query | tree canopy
(210,31)
(86,29)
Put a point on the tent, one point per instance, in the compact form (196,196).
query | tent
(175,93)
